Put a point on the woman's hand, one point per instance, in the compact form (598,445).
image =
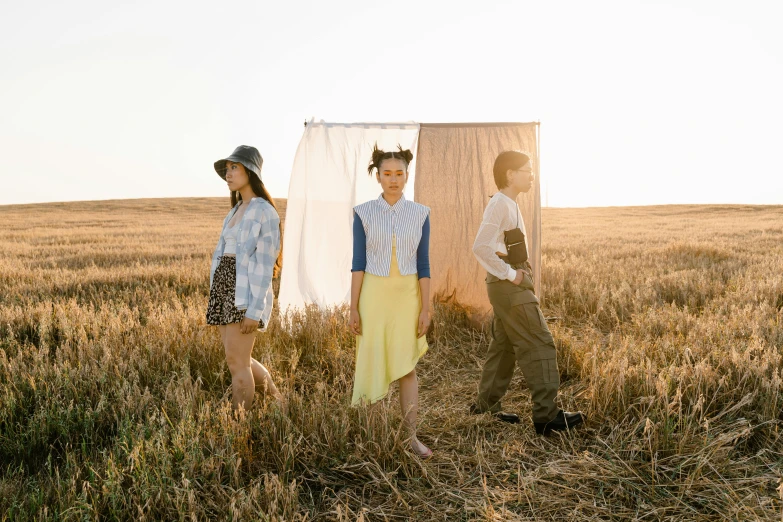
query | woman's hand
(424,322)
(247,325)
(355,322)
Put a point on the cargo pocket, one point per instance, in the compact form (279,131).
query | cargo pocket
(539,328)
(529,312)
(535,318)
(545,358)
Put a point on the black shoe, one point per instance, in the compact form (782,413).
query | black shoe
(563,421)
(511,418)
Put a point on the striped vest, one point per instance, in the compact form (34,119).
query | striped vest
(380,220)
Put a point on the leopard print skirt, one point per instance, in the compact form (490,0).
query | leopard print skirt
(221,308)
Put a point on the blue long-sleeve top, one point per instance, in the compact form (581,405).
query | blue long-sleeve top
(359,263)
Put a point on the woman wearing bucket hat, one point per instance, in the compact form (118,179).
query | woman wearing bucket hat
(248,255)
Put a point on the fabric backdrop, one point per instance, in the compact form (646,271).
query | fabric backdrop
(454,178)
(328,178)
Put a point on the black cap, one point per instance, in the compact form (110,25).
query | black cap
(244,154)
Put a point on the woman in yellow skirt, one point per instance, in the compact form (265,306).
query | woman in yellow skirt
(390,287)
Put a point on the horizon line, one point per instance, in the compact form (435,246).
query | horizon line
(5,205)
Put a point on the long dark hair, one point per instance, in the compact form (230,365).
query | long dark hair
(260,190)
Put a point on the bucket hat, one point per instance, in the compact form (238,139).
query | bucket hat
(244,154)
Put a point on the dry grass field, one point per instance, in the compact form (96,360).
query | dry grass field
(114,393)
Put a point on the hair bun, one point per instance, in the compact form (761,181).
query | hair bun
(406,154)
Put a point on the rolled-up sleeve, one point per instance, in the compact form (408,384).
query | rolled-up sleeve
(484,245)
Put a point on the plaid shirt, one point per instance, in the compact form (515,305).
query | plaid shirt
(258,244)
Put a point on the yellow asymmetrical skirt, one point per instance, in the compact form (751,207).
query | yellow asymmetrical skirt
(388,347)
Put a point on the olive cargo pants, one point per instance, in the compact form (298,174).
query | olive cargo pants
(519,335)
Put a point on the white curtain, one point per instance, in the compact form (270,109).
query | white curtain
(329,177)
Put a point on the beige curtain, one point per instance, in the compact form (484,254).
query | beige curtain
(454,178)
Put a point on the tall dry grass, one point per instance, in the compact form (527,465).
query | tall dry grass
(114,393)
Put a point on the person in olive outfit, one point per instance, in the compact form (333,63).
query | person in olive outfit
(519,330)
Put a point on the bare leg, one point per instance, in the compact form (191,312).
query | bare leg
(222,330)
(264,380)
(409,404)
(238,347)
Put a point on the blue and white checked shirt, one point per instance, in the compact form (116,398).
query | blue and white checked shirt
(381,220)
(258,244)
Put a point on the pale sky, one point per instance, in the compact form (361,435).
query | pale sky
(639,102)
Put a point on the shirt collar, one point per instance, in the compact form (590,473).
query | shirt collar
(385,205)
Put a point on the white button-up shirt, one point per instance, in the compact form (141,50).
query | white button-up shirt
(501,214)
(381,221)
